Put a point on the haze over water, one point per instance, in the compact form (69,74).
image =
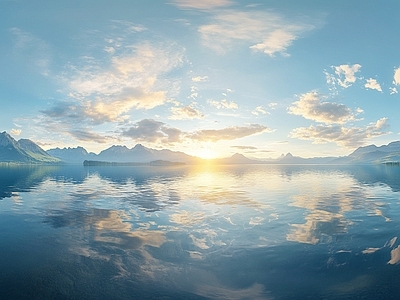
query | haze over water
(204,232)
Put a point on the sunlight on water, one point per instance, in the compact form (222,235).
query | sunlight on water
(226,232)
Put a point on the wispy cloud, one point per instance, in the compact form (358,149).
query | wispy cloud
(265,32)
(373,85)
(349,137)
(185,113)
(229,133)
(244,147)
(203,4)
(311,106)
(85,135)
(127,27)
(132,82)
(259,110)
(200,78)
(32,50)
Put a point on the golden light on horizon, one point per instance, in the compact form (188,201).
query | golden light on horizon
(205,153)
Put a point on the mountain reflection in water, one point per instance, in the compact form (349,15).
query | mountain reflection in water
(204,232)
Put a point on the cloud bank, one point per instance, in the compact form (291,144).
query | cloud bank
(152,131)
(344,136)
(333,117)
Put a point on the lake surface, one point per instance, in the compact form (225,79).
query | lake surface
(206,232)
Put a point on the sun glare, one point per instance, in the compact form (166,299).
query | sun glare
(205,153)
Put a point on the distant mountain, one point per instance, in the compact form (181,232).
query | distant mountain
(372,154)
(122,154)
(36,152)
(72,155)
(236,159)
(142,155)
(289,159)
(26,151)
(139,153)
(22,151)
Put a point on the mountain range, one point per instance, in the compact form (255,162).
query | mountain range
(26,151)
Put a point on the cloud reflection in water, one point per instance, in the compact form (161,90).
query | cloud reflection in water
(231,232)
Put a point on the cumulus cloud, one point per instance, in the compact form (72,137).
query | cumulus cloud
(311,106)
(345,75)
(396,77)
(229,133)
(185,113)
(149,130)
(342,136)
(203,4)
(373,85)
(99,95)
(223,104)
(265,32)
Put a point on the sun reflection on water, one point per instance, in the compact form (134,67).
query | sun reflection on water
(211,230)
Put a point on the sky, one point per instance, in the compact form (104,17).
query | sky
(210,78)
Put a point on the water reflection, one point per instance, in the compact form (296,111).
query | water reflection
(231,232)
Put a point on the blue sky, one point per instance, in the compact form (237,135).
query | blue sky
(210,78)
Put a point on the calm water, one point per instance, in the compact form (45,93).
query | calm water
(233,232)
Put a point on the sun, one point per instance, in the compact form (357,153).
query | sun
(205,153)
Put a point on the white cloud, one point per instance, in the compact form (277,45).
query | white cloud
(278,41)
(128,27)
(396,77)
(133,81)
(259,110)
(393,90)
(201,4)
(273,105)
(311,107)
(185,113)
(344,75)
(110,50)
(343,136)
(200,79)
(265,32)
(223,104)
(373,84)
(16,131)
